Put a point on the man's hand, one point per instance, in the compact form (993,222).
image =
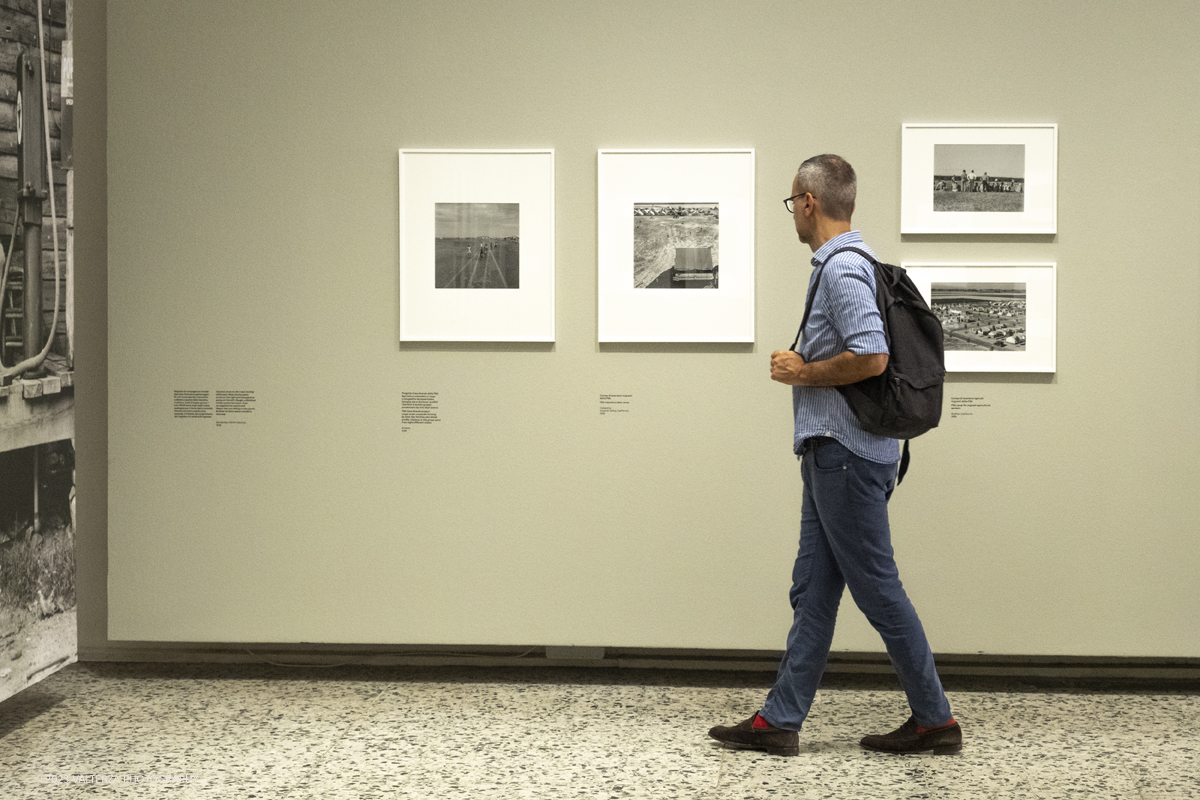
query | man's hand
(844,368)
(786,367)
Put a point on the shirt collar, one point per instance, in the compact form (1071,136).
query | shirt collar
(846,239)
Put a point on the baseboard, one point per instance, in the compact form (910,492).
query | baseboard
(949,664)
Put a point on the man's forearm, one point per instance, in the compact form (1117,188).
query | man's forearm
(845,368)
(842,369)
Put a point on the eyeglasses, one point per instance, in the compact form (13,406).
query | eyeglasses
(788,203)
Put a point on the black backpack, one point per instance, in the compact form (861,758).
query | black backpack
(906,399)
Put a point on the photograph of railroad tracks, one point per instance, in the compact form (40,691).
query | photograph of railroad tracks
(477,246)
(675,245)
(476,220)
(980,316)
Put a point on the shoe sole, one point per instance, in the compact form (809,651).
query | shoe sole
(944,750)
(771,751)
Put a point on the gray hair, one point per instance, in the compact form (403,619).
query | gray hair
(831,180)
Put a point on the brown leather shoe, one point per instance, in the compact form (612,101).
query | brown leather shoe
(942,741)
(744,736)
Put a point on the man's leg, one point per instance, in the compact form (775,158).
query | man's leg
(852,496)
(817,586)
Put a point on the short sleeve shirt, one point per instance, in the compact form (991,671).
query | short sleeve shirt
(844,317)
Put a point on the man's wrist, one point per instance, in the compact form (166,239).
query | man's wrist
(802,374)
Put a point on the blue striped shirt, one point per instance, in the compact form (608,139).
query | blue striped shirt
(844,317)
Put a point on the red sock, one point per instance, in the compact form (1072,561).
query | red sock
(761,723)
(921,730)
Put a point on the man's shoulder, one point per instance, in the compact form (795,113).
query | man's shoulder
(848,239)
(847,260)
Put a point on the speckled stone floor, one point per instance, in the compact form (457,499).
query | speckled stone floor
(130,730)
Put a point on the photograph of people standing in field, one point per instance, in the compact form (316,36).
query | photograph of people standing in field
(979,177)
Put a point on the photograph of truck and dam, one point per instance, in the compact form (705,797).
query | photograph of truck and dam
(980,316)
(675,245)
(477,246)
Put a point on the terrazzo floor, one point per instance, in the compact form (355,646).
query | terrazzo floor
(239,731)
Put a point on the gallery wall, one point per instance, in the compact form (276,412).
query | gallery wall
(252,247)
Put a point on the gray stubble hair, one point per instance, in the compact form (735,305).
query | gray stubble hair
(830,179)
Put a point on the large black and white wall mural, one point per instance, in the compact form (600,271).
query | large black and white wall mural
(37,398)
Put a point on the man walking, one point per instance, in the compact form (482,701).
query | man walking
(848,477)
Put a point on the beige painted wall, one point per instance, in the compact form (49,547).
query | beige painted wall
(252,244)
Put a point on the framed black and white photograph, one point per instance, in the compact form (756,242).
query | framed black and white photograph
(675,245)
(979,179)
(38,599)
(995,317)
(477,245)
(676,220)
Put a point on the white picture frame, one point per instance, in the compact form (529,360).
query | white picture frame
(1020,195)
(983,326)
(477,245)
(690,214)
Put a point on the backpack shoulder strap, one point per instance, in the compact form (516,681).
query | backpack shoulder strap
(807,309)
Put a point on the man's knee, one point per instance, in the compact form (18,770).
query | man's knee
(819,609)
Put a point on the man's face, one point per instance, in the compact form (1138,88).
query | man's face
(805,227)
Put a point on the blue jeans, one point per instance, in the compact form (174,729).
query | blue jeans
(845,541)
